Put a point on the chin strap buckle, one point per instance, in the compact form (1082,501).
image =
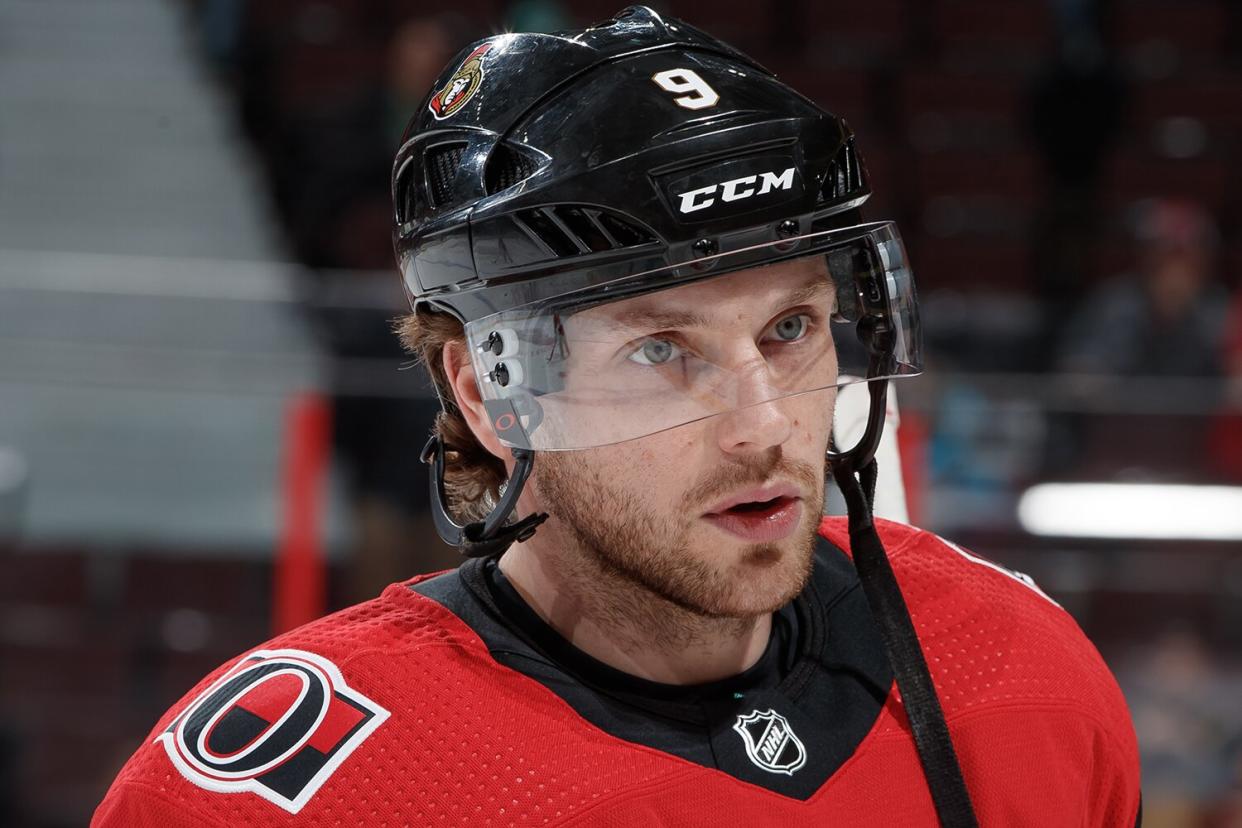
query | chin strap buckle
(498,542)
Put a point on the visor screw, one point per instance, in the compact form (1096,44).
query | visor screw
(704,247)
(493,345)
(787,228)
(499,374)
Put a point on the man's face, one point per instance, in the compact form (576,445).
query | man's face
(718,515)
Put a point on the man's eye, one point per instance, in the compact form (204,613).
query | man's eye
(792,328)
(655,352)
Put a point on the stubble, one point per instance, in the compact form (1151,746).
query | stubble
(639,569)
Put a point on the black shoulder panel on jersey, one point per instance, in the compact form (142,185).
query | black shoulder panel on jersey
(825,675)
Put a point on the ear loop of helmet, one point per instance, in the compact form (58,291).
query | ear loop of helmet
(492,535)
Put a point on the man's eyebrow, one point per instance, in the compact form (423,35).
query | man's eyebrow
(804,293)
(655,317)
(659,318)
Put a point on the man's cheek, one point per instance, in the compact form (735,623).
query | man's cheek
(812,427)
(671,456)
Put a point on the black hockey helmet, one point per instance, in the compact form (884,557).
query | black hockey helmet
(546,175)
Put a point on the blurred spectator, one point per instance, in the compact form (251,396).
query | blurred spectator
(1168,318)
(378,432)
(1164,319)
(419,51)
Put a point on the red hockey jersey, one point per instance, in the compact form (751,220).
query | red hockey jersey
(442,703)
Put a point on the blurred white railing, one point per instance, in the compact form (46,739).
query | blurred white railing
(145,396)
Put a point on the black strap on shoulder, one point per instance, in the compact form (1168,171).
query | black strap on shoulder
(931,733)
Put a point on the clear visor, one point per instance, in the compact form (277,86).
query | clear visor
(640,355)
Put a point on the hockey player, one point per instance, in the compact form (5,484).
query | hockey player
(639,277)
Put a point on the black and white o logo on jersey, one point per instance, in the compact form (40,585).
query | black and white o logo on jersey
(770,741)
(278,724)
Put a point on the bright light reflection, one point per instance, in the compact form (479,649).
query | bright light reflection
(1132,510)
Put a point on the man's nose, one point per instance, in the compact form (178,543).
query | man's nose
(758,420)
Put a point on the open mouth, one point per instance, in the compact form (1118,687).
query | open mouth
(758,506)
(759,520)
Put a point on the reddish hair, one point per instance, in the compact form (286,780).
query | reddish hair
(472,474)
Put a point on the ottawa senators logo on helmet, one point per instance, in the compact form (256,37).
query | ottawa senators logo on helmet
(461,87)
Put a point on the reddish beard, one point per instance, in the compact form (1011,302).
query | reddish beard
(631,543)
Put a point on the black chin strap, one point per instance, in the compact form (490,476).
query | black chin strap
(855,473)
(490,536)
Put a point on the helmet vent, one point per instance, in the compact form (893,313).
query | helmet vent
(625,233)
(441,164)
(566,230)
(845,176)
(506,167)
(404,199)
(553,233)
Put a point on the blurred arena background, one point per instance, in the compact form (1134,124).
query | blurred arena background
(206,433)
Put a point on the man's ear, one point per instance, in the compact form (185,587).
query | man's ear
(460,374)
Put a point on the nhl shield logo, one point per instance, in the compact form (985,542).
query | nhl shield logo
(770,741)
(461,86)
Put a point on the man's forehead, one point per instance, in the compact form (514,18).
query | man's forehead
(758,288)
